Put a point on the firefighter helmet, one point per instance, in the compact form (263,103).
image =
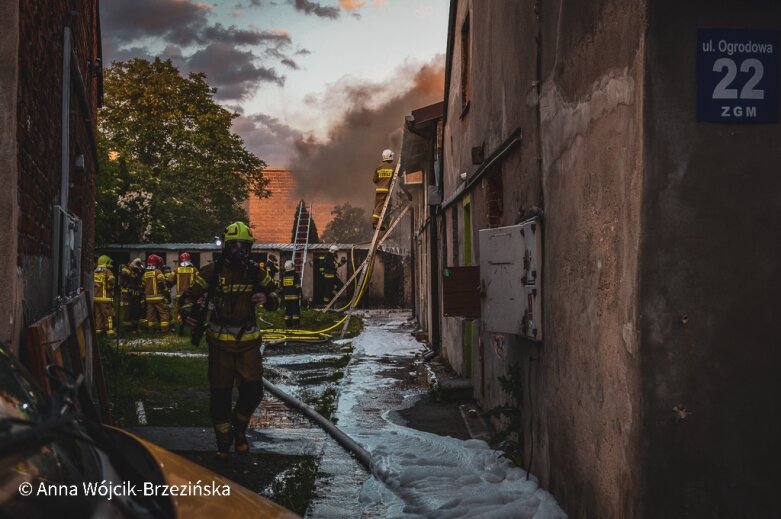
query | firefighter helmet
(289,265)
(238,231)
(154,261)
(184,257)
(105,261)
(137,263)
(387,156)
(332,249)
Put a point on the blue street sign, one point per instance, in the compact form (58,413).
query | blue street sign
(737,76)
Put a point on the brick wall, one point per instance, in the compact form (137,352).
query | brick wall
(39,151)
(272,218)
(39,120)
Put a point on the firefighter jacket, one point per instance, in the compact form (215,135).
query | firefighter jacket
(132,280)
(291,286)
(383,175)
(154,284)
(329,266)
(103,282)
(233,323)
(185,273)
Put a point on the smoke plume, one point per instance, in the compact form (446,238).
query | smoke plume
(370,119)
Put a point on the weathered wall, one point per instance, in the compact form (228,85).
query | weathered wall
(710,251)
(10,312)
(588,379)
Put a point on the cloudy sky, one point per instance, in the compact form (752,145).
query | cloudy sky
(318,85)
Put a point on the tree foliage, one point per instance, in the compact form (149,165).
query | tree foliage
(172,170)
(350,225)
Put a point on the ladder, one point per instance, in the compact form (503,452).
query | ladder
(372,248)
(301,238)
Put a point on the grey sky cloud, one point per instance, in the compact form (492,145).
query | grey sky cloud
(233,72)
(290,63)
(309,7)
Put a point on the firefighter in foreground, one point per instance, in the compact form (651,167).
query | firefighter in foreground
(103,280)
(155,287)
(184,276)
(291,294)
(383,175)
(234,284)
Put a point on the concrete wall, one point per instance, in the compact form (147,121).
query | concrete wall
(10,312)
(710,252)
(588,381)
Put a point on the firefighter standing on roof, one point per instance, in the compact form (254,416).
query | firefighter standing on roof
(155,287)
(291,294)
(103,280)
(236,284)
(383,175)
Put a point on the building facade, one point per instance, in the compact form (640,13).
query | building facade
(619,131)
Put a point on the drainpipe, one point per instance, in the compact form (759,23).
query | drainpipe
(66,96)
(58,225)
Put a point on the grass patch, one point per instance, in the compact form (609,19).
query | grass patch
(312,320)
(286,480)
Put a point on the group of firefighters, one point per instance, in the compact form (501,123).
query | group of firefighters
(231,287)
(146,291)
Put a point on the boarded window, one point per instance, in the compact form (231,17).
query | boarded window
(461,292)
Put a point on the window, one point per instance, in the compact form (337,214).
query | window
(454,233)
(494,197)
(465,65)
(467,230)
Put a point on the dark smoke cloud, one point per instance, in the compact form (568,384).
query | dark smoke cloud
(268,138)
(341,168)
(308,7)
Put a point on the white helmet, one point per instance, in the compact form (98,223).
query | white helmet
(387,156)
(333,248)
(289,265)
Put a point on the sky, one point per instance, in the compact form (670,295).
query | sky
(318,85)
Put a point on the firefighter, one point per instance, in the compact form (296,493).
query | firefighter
(131,282)
(103,280)
(234,284)
(329,266)
(291,294)
(184,275)
(383,175)
(272,266)
(155,287)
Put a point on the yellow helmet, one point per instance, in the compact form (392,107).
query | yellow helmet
(105,261)
(238,231)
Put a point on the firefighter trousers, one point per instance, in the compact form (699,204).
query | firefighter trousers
(157,311)
(104,317)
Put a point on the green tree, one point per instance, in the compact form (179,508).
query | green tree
(178,172)
(350,225)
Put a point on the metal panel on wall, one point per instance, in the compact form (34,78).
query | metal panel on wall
(510,267)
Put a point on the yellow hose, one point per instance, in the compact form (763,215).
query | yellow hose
(284,334)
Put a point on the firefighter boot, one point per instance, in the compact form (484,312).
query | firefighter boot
(240,424)
(224,436)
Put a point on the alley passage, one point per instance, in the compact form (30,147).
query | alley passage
(427,475)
